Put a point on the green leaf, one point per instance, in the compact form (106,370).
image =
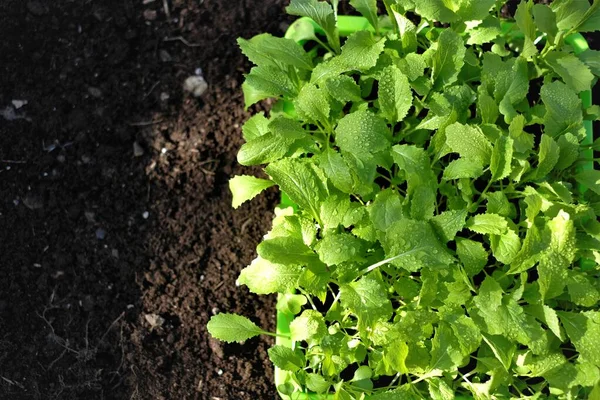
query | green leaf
(368,9)
(317,383)
(322,13)
(286,250)
(488,224)
(337,170)
(503,349)
(487,109)
(581,290)
(288,303)
(501,159)
(301,181)
(590,178)
(343,88)
(486,32)
(360,53)
(571,69)
(445,351)
(414,245)
(524,19)
(244,188)
(590,22)
(569,151)
(469,142)
(563,109)
(591,58)
(395,95)
(507,81)
(569,12)
(440,390)
(545,19)
(265,49)
(256,126)
(285,358)
(386,209)
(448,59)
(449,223)
(232,328)
(506,246)
(267,82)
(408,37)
(265,277)
(336,248)
(463,168)
(309,326)
(367,299)
(583,329)
(362,134)
(273,145)
(548,156)
(472,255)
(549,317)
(312,104)
(559,256)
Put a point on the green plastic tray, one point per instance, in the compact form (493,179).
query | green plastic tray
(348,25)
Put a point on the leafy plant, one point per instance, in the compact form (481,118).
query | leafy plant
(446,240)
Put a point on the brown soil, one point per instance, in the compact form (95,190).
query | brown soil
(84,273)
(112,262)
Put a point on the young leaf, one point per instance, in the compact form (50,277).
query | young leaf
(265,49)
(317,383)
(256,126)
(448,59)
(449,223)
(472,255)
(590,178)
(322,13)
(286,250)
(265,82)
(367,299)
(265,277)
(312,105)
(584,330)
(395,95)
(571,69)
(309,326)
(469,142)
(488,224)
(563,109)
(500,164)
(285,358)
(363,134)
(463,168)
(301,182)
(343,88)
(545,19)
(368,9)
(548,156)
(232,328)
(591,58)
(524,19)
(336,248)
(244,188)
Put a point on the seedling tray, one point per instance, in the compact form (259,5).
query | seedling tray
(348,25)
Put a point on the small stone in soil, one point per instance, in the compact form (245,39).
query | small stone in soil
(145,214)
(164,96)
(196,85)
(164,56)
(138,150)
(19,103)
(33,201)
(95,92)
(100,234)
(154,320)
(149,15)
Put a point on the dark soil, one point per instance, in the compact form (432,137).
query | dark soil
(113,261)
(98,245)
